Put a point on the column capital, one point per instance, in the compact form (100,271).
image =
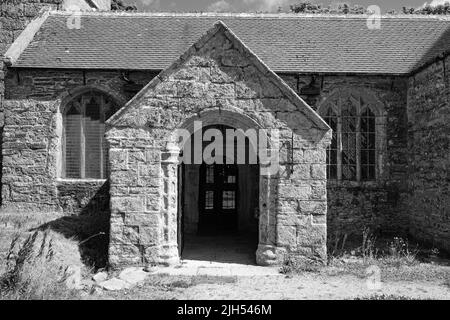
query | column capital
(170,154)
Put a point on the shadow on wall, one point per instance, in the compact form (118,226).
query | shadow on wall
(436,51)
(1,154)
(90,227)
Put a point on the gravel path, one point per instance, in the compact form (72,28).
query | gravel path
(311,287)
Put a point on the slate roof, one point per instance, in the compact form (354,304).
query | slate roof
(220,28)
(286,43)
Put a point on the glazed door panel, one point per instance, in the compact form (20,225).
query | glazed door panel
(218,199)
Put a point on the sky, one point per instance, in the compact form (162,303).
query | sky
(257,5)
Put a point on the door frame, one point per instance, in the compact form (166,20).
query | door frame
(268,182)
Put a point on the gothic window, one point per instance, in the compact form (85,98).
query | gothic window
(353,150)
(84,147)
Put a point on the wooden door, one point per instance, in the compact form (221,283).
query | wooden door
(218,199)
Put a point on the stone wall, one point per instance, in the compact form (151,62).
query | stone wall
(352,206)
(428,202)
(31,135)
(377,205)
(14,17)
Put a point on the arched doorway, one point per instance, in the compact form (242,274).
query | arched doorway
(219,203)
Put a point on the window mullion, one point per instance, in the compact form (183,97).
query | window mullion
(63,148)
(83,139)
(101,121)
(339,147)
(82,149)
(379,144)
(102,164)
(358,148)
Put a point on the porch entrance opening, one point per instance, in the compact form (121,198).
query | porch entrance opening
(218,210)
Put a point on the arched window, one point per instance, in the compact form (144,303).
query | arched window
(353,150)
(84,147)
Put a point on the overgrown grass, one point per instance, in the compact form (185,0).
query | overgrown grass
(397,259)
(15,227)
(90,229)
(38,280)
(294,264)
(38,267)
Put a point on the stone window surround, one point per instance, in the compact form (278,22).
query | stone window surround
(65,99)
(69,180)
(378,108)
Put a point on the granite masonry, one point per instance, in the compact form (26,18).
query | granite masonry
(220,81)
(428,198)
(14,17)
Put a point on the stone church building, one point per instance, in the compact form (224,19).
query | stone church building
(92,104)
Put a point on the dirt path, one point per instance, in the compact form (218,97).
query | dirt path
(276,287)
(312,287)
(423,281)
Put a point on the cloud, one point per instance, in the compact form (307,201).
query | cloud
(219,6)
(266,5)
(435,3)
(151,4)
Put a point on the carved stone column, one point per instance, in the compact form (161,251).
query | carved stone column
(169,206)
